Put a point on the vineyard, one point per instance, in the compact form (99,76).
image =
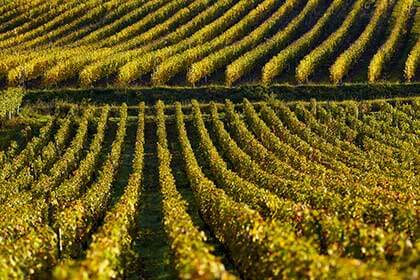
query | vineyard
(209,139)
(70,43)
(210,190)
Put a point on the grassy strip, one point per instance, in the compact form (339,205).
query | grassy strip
(285,92)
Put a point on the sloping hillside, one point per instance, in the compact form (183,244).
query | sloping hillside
(195,42)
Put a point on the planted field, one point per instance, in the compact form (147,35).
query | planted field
(250,190)
(194,42)
(209,139)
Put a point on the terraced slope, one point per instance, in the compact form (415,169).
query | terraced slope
(195,42)
(214,191)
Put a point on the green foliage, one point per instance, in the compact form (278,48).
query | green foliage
(350,56)
(120,43)
(245,63)
(226,55)
(321,54)
(402,14)
(10,101)
(192,257)
(75,221)
(108,251)
(413,61)
(286,190)
(180,62)
(279,62)
(149,61)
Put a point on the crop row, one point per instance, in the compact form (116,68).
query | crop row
(264,40)
(289,190)
(10,101)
